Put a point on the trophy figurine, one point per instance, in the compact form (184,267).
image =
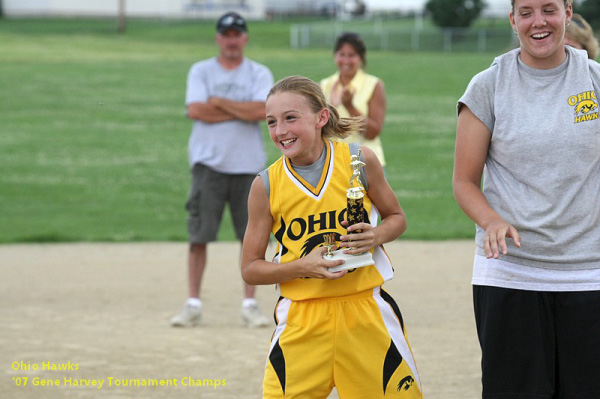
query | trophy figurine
(355,214)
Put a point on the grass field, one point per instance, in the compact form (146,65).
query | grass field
(93,138)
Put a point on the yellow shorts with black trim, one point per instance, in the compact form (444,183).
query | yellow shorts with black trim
(356,343)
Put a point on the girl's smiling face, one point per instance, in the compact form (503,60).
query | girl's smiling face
(540,25)
(295,128)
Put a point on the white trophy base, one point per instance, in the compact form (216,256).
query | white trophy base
(350,261)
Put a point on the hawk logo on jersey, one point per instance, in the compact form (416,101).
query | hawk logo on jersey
(406,383)
(584,104)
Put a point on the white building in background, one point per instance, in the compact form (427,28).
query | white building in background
(253,9)
(495,8)
(316,7)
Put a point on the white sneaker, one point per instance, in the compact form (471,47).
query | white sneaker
(252,316)
(189,316)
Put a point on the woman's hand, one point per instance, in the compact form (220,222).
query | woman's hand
(314,265)
(347,97)
(494,240)
(359,242)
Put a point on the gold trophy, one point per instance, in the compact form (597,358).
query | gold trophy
(355,214)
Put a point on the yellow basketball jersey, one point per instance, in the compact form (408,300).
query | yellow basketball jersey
(303,215)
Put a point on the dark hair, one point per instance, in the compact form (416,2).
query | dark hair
(336,126)
(354,40)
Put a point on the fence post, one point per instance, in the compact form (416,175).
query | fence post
(122,17)
(384,40)
(338,28)
(305,36)
(377,24)
(447,39)
(419,20)
(294,36)
(482,40)
(414,43)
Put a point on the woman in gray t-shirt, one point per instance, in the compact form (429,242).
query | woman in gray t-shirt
(529,126)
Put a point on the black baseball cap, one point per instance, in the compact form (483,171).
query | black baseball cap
(231,20)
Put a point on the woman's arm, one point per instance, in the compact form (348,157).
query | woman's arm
(472,145)
(393,221)
(255,269)
(376,112)
(377,109)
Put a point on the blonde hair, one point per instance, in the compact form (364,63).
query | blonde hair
(335,127)
(581,32)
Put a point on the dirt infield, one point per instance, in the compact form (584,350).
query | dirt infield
(79,314)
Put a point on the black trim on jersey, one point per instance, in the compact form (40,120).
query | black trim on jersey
(324,175)
(393,358)
(279,237)
(387,297)
(278,362)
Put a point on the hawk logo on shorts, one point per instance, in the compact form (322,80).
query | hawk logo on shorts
(406,383)
(584,106)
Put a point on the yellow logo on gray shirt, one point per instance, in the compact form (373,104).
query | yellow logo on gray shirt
(585,104)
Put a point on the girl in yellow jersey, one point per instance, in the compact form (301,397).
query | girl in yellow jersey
(333,329)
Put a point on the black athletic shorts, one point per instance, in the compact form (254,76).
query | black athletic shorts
(538,344)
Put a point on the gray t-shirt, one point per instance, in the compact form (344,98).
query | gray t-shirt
(233,147)
(542,172)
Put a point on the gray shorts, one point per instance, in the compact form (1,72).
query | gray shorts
(208,195)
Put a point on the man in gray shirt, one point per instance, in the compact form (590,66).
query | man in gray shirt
(226,99)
